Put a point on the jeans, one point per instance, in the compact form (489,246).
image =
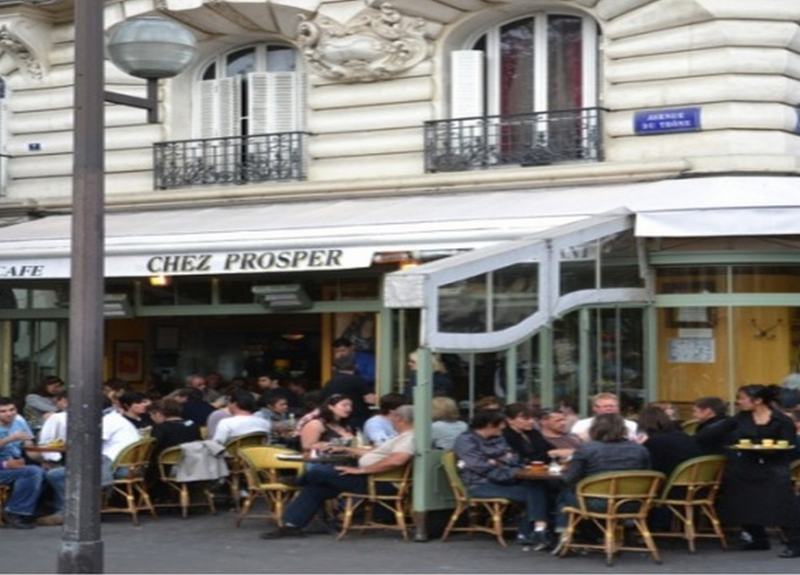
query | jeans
(532,494)
(57,478)
(320,483)
(27,483)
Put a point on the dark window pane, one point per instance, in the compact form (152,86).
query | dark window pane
(462,306)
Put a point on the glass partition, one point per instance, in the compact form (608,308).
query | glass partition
(463,306)
(515,294)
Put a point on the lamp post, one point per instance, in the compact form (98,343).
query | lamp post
(149,48)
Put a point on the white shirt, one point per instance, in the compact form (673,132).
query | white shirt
(55,427)
(118,433)
(581,428)
(403,443)
(238,425)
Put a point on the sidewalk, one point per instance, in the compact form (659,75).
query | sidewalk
(211,544)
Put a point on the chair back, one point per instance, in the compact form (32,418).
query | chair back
(795,468)
(399,477)
(690,426)
(453,478)
(620,493)
(171,456)
(135,457)
(261,464)
(695,479)
(234,445)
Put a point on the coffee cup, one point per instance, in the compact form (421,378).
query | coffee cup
(783,443)
(745,443)
(768,442)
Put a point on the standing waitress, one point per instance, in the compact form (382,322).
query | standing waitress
(757,486)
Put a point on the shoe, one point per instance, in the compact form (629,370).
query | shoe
(755,546)
(19,521)
(285,531)
(540,541)
(50,520)
(789,553)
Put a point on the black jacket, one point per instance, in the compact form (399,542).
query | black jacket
(669,449)
(529,446)
(714,435)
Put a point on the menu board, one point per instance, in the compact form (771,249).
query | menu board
(691,350)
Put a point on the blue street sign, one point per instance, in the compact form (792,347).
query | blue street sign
(667,121)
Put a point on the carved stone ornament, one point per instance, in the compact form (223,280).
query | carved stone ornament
(378,43)
(21,53)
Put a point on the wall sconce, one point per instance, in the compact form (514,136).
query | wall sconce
(160,280)
(282,297)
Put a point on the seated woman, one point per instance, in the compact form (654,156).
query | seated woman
(489,468)
(668,445)
(608,449)
(522,436)
(329,426)
(41,404)
(446,425)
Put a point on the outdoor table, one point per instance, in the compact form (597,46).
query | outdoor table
(332,458)
(538,474)
(47,449)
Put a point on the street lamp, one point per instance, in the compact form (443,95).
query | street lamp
(82,547)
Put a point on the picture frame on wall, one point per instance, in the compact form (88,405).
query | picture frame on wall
(129,360)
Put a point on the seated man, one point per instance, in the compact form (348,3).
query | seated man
(715,430)
(117,433)
(242,421)
(553,425)
(602,403)
(324,482)
(379,428)
(55,430)
(489,467)
(25,479)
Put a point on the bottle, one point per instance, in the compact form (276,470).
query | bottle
(359,439)
(292,422)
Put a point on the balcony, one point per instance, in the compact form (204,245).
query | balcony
(230,160)
(536,139)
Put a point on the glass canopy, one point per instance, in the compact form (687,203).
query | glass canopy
(493,298)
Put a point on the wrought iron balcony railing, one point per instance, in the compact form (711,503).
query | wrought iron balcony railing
(535,139)
(229,160)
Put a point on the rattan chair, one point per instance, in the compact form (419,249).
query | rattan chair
(167,460)
(495,507)
(134,459)
(795,469)
(692,487)
(235,465)
(264,473)
(4,492)
(388,490)
(609,501)
(690,426)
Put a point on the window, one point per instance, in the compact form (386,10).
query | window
(535,64)
(253,90)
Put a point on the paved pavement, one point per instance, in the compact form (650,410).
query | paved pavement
(211,544)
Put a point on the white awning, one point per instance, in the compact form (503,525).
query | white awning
(346,233)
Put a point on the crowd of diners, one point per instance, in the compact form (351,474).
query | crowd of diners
(490,449)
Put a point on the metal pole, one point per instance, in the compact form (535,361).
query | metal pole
(82,547)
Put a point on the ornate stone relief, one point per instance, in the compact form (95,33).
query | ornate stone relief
(21,53)
(378,43)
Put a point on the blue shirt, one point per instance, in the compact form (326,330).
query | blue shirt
(13,450)
(378,429)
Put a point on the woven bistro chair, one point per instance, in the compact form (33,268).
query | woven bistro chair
(693,487)
(495,507)
(388,490)
(4,492)
(235,465)
(134,459)
(609,500)
(265,475)
(795,470)
(167,460)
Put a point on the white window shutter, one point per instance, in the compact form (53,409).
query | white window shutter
(258,102)
(208,109)
(467,83)
(228,107)
(283,114)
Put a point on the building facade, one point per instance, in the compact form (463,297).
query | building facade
(586,195)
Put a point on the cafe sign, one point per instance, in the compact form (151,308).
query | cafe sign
(200,263)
